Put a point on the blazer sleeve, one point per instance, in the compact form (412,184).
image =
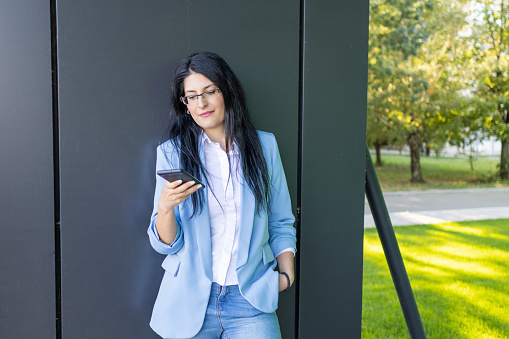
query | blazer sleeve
(164,161)
(282,234)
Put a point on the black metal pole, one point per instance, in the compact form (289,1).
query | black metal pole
(392,253)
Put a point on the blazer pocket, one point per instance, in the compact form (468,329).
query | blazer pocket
(171,264)
(267,254)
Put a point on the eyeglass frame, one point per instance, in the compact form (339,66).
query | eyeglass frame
(203,96)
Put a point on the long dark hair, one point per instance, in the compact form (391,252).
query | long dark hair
(184,133)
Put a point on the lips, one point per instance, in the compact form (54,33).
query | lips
(206,114)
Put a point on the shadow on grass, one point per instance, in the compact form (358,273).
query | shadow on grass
(459,274)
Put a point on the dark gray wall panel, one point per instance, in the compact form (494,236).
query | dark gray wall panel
(27,278)
(116,60)
(335,75)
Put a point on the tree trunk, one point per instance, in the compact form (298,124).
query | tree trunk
(504,160)
(428,150)
(378,146)
(504,155)
(414,142)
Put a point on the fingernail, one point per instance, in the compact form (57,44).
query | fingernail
(200,186)
(191,183)
(179,181)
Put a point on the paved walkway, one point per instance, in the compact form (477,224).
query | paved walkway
(437,206)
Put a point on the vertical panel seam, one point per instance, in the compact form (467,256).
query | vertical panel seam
(56,168)
(299,164)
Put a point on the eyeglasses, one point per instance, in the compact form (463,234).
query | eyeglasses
(193,99)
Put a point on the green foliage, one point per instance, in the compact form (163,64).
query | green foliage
(439,72)
(397,31)
(493,92)
(415,70)
(491,52)
(458,273)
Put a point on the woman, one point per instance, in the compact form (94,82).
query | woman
(222,242)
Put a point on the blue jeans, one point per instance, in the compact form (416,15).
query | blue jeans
(230,316)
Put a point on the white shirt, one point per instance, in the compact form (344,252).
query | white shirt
(224,202)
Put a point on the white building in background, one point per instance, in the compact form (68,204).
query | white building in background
(490,147)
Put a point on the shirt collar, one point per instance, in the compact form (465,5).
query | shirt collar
(206,141)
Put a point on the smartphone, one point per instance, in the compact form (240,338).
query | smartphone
(176,174)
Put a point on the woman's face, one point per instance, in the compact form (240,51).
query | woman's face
(207,112)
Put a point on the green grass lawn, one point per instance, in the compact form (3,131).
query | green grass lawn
(459,274)
(439,173)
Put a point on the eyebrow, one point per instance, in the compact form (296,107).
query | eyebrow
(204,88)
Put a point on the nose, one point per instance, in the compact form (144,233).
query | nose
(202,102)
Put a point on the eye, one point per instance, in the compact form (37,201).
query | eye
(192,97)
(211,92)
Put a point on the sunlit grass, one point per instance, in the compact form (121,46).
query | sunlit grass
(439,173)
(459,274)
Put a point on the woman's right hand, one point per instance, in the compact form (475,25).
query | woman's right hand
(173,193)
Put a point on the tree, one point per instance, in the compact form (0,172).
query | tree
(379,131)
(396,32)
(464,125)
(425,52)
(491,50)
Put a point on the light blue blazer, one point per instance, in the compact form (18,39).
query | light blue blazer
(179,309)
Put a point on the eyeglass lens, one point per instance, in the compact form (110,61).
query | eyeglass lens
(205,96)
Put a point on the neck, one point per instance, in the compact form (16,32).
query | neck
(217,136)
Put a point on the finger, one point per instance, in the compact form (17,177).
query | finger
(173,184)
(185,186)
(192,189)
(184,194)
(178,197)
